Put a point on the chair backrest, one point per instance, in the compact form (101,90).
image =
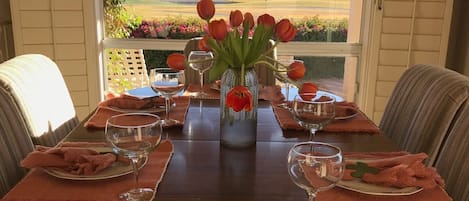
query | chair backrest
(35,108)
(422,106)
(265,76)
(126,69)
(34,86)
(452,161)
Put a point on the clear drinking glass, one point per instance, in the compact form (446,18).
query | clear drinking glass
(315,166)
(283,78)
(134,135)
(167,82)
(200,61)
(313,112)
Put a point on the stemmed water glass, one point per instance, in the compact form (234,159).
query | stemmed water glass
(315,166)
(134,135)
(200,61)
(167,82)
(283,77)
(313,112)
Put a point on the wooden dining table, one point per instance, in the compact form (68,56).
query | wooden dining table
(201,169)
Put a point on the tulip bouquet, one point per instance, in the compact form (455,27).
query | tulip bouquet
(241,44)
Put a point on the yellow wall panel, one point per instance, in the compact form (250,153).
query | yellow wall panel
(68,19)
(392,57)
(68,5)
(426,42)
(35,19)
(390,73)
(37,35)
(70,51)
(69,35)
(79,98)
(420,57)
(384,88)
(34,4)
(396,25)
(47,50)
(76,83)
(430,9)
(428,26)
(72,67)
(380,103)
(397,9)
(395,41)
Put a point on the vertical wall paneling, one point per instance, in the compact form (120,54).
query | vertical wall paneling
(61,30)
(405,32)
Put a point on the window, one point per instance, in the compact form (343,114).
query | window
(327,39)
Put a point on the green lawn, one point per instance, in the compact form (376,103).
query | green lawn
(296,8)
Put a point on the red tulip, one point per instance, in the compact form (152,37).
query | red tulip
(206,9)
(248,18)
(176,61)
(308,90)
(284,30)
(297,70)
(236,18)
(217,29)
(203,44)
(239,98)
(266,20)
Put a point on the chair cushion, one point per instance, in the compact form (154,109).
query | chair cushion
(422,106)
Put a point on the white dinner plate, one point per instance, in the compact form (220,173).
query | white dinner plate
(358,185)
(349,116)
(146,110)
(143,92)
(117,169)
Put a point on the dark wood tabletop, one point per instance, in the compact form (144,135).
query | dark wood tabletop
(201,169)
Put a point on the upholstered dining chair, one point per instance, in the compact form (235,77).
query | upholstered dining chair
(452,161)
(265,76)
(33,90)
(419,112)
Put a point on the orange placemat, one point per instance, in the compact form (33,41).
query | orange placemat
(38,185)
(340,194)
(357,124)
(100,116)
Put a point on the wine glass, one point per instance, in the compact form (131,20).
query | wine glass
(200,61)
(167,82)
(315,166)
(134,135)
(283,77)
(313,112)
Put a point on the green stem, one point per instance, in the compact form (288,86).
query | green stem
(243,75)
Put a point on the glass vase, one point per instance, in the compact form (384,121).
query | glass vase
(238,129)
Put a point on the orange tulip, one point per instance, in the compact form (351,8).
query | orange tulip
(206,9)
(266,20)
(217,29)
(284,30)
(248,18)
(297,70)
(236,18)
(239,98)
(308,90)
(176,61)
(203,44)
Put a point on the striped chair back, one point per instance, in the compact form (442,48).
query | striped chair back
(452,162)
(420,110)
(35,108)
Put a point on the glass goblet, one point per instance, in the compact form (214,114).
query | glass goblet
(315,166)
(167,82)
(134,135)
(200,61)
(313,112)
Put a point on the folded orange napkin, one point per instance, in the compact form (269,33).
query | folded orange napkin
(38,185)
(130,102)
(394,170)
(358,124)
(271,93)
(100,116)
(75,160)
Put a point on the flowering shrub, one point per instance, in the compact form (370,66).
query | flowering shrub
(308,29)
